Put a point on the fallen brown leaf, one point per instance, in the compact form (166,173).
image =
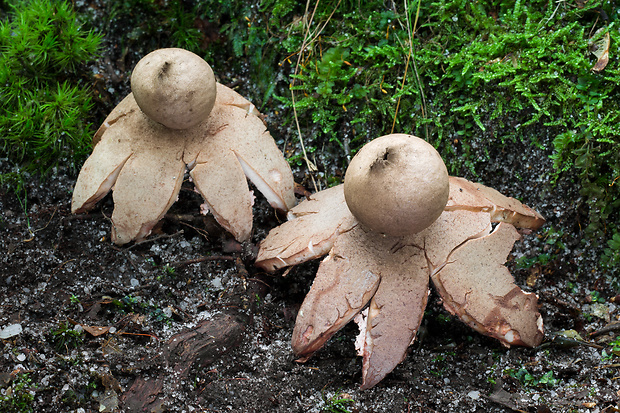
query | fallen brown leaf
(600,49)
(95,331)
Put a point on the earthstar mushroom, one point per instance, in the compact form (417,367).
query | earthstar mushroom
(462,252)
(179,118)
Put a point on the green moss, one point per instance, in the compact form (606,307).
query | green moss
(129,304)
(44,97)
(18,397)
(523,376)
(479,74)
(612,352)
(336,403)
(65,337)
(470,77)
(152,24)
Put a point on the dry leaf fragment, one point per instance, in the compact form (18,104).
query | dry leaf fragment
(95,331)
(600,49)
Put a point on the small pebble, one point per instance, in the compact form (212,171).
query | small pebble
(474,394)
(10,331)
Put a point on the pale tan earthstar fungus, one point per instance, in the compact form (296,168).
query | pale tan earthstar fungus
(448,229)
(179,118)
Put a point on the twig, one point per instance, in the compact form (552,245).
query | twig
(33,232)
(415,68)
(201,231)
(542,26)
(202,259)
(58,269)
(615,326)
(155,239)
(259,281)
(311,166)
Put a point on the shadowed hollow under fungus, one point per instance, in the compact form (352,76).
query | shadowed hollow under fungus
(179,118)
(406,221)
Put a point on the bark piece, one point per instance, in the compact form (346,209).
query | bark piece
(198,346)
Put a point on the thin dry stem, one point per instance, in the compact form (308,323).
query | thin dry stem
(415,69)
(311,166)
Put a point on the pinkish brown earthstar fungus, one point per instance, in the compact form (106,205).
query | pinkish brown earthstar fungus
(179,118)
(462,252)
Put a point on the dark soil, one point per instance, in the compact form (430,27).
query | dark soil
(235,323)
(184,322)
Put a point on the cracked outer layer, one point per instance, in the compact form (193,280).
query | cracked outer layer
(459,252)
(497,307)
(145,163)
